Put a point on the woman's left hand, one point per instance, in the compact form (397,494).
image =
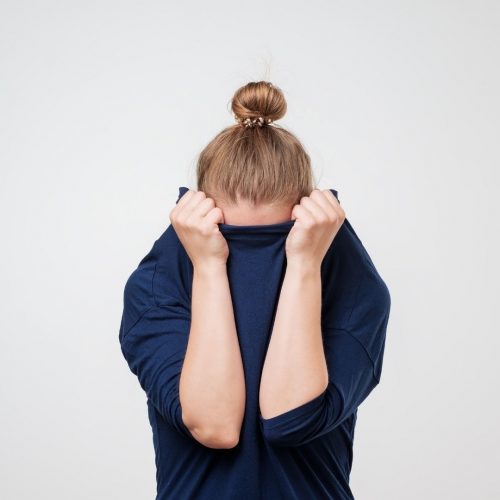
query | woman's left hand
(318,218)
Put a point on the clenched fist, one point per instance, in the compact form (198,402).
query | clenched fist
(195,218)
(318,218)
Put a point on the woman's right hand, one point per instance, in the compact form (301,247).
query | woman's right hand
(195,218)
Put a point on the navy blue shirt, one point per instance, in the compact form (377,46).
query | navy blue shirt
(305,453)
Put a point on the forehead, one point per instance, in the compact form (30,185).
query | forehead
(246,212)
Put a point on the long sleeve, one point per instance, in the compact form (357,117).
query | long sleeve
(355,313)
(153,338)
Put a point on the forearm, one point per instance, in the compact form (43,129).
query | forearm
(212,385)
(295,369)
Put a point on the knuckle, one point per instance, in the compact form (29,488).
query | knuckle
(323,220)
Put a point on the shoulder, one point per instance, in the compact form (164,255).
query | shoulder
(164,272)
(350,279)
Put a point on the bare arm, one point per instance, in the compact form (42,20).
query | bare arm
(295,369)
(212,384)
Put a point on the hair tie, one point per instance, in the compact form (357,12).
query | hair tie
(252,122)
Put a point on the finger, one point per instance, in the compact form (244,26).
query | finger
(333,200)
(177,213)
(303,215)
(322,200)
(203,207)
(189,207)
(183,200)
(337,210)
(316,210)
(207,213)
(215,216)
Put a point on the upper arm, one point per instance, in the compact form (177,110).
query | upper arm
(153,338)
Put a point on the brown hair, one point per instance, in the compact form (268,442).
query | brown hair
(261,164)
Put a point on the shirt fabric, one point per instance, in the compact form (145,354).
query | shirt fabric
(304,453)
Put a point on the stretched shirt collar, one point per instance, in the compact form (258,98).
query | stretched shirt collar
(264,229)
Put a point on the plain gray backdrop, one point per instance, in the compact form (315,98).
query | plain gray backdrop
(105,107)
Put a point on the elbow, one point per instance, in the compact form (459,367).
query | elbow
(214,433)
(214,436)
(219,439)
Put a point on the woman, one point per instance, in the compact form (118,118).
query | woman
(256,324)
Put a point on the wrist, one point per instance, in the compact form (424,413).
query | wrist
(303,266)
(210,268)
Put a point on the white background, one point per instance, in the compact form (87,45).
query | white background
(104,109)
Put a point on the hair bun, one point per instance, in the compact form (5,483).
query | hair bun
(258,103)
